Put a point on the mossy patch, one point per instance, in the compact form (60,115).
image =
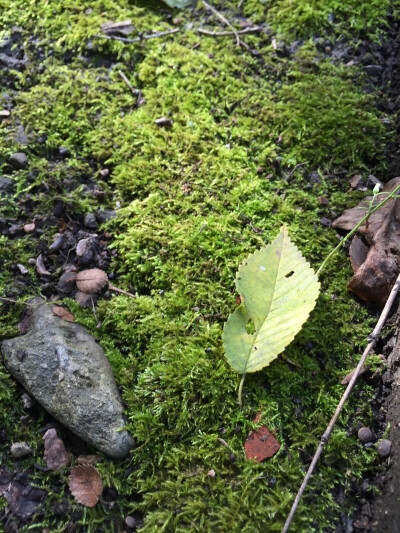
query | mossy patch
(196,198)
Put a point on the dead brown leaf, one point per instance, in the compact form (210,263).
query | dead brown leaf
(85,484)
(376,259)
(261,444)
(91,281)
(63,313)
(41,269)
(55,454)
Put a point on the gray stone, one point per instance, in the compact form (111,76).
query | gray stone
(18,160)
(90,221)
(104,215)
(20,449)
(6,186)
(62,366)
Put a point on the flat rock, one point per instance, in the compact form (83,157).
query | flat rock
(62,366)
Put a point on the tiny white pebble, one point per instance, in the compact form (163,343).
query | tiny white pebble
(262,268)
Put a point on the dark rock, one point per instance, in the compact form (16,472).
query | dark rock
(18,160)
(374,71)
(62,366)
(90,221)
(66,283)
(6,186)
(104,215)
(63,151)
(87,249)
(15,230)
(326,222)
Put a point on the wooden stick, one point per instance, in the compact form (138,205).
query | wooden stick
(112,288)
(224,20)
(128,83)
(223,33)
(325,437)
(138,39)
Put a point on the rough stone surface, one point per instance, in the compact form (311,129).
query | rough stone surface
(90,221)
(60,364)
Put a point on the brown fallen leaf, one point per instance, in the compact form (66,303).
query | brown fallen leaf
(375,275)
(41,269)
(91,281)
(261,444)
(85,484)
(55,455)
(63,313)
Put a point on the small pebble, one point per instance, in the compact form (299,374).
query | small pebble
(90,221)
(131,522)
(22,269)
(365,435)
(20,449)
(27,401)
(384,447)
(29,228)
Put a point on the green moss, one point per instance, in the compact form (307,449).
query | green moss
(194,204)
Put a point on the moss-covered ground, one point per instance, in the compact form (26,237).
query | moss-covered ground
(258,137)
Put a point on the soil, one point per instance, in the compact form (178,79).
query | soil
(380,514)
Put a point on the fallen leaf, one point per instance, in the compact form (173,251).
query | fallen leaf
(356,181)
(84,300)
(55,454)
(123,27)
(85,484)
(91,281)
(23,499)
(261,444)
(323,200)
(374,277)
(63,313)
(41,269)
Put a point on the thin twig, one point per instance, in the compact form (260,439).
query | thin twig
(138,39)
(224,20)
(112,288)
(223,33)
(128,83)
(325,437)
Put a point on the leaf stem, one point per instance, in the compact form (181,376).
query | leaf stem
(366,217)
(240,390)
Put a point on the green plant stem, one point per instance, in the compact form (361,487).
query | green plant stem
(369,213)
(240,390)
